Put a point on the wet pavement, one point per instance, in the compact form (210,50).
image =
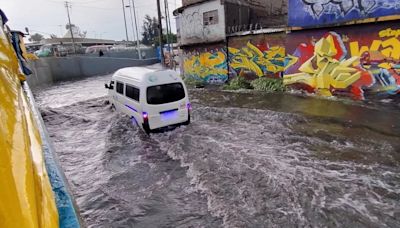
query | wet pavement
(247,160)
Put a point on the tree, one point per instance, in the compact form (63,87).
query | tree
(150,30)
(36,37)
(171,38)
(76,31)
(53,36)
(68,25)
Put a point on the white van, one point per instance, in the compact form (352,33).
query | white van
(153,98)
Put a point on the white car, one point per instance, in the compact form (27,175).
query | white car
(153,98)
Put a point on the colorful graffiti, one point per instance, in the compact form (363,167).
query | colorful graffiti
(308,13)
(349,63)
(327,69)
(262,60)
(209,66)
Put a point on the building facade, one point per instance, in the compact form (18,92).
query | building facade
(349,48)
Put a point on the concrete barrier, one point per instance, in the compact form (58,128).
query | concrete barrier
(52,69)
(132,54)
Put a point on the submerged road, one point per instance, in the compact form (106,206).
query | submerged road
(247,160)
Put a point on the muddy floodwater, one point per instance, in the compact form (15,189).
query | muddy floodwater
(246,160)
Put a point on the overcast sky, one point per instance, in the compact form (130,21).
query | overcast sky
(100,18)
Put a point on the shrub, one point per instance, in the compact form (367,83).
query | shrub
(268,84)
(193,82)
(237,83)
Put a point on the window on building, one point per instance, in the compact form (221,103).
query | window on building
(120,87)
(132,92)
(210,17)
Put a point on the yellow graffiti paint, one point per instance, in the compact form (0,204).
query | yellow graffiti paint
(322,71)
(252,59)
(241,61)
(25,193)
(389,33)
(390,48)
(206,64)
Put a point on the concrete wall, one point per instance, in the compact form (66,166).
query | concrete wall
(255,14)
(362,62)
(50,70)
(192,28)
(133,54)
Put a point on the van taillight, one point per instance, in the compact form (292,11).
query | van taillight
(145,116)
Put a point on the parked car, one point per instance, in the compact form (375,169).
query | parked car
(154,99)
(58,50)
(96,49)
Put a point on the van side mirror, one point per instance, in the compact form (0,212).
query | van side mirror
(106,85)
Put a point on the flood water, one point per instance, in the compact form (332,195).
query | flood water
(246,160)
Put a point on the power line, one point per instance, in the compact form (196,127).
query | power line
(160,33)
(126,28)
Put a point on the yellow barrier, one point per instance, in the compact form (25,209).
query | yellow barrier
(26,198)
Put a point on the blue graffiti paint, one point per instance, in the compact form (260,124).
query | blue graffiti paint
(311,13)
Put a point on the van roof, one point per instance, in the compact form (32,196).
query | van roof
(141,75)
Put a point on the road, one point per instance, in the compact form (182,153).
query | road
(247,160)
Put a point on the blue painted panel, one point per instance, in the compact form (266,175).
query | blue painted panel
(311,13)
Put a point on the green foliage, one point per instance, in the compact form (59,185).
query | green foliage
(193,82)
(36,37)
(150,30)
(268,84)
(237,83)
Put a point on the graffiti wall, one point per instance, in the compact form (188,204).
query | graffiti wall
(207,64)
(355,61)
(310,13)
(259,55)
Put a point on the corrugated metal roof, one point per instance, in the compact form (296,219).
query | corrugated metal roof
(259,31)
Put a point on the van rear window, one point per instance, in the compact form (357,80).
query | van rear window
(166,93)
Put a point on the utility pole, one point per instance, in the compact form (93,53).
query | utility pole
(126,28)
(160,33)
(133,30)
(137,31)
(166,25)
(70,27)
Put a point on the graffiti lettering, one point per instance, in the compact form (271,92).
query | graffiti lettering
(209,66)
(319,7)
(389,48)
(323,71)
(389,32)
(310,13)
(250,58)
(324,68)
